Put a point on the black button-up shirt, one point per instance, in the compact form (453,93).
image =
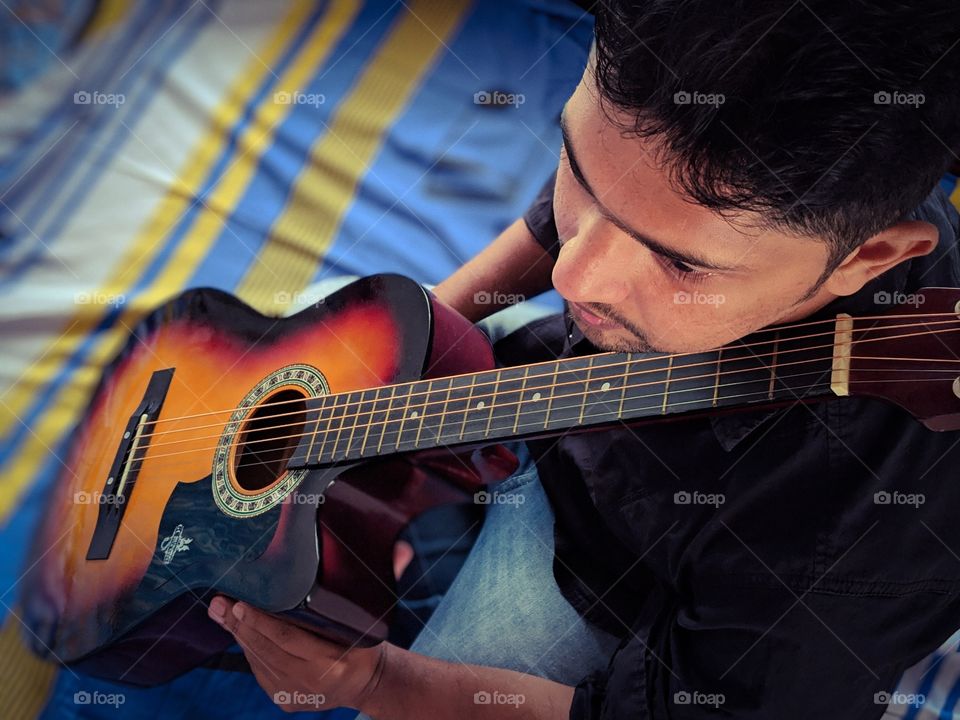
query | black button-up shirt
(750,562)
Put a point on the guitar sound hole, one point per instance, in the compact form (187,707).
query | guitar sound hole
(268,440)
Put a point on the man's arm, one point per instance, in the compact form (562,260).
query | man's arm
(416,686)
(514,264)
(301,671)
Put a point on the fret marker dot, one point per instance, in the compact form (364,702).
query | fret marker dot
(480,405)
(605,386)
(536,396)
(413,414)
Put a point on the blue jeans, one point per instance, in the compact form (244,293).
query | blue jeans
(504,609)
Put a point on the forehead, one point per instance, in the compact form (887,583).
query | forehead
(630,179)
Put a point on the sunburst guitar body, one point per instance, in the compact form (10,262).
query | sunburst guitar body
(176,486)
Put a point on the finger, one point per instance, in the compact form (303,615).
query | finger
(402,557)
(291,639)
(262,647)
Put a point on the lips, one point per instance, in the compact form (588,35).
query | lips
(590,318)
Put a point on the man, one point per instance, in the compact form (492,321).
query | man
(724,168)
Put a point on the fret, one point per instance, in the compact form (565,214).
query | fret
(445,408)
(349,416)
(433,411)
(404,411)
(645,385)
(623,387)
(535,398)
(493,402)
(546,414)
(366,432)
(334,415)
(319,401)
(586,386)
(607,383)
(800,369)
(415,410)
(666,385)
(773,365)
(358,420)
(716,377)
(422,412)
(745,374)
(466,409)
(386,418)
(571,387)
(476,416)
(345,414)
(692,380)
(523,386)
(504,416)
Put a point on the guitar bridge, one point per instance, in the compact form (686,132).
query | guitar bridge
(119,484)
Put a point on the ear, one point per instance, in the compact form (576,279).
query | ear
(881,252)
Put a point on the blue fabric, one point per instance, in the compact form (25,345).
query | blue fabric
(28,46)
(505,609)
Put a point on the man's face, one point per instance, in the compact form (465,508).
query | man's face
(645,269)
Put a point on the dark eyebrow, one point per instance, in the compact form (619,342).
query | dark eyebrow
(645,240)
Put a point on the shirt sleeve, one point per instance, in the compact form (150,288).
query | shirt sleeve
(540,221)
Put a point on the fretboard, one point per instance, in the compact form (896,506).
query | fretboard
(556,396)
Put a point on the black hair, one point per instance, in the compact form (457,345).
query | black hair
(828,118)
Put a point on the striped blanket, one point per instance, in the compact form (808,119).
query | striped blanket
(256,146)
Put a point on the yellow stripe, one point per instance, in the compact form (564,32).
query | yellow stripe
(955,195)
(65,409)
(24,680)
(302,234)
(108,14)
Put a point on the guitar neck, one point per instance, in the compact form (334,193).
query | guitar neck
(556,396)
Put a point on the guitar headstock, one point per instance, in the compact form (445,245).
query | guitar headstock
(910,355)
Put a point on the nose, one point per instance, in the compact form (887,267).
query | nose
(593,267)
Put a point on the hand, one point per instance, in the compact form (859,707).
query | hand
(297,669)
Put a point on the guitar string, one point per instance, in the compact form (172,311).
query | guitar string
(353,428)
(448,401)
(778,352)
(953,318)
(453,442)
(627,373)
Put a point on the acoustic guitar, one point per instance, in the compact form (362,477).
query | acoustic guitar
(275,460)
